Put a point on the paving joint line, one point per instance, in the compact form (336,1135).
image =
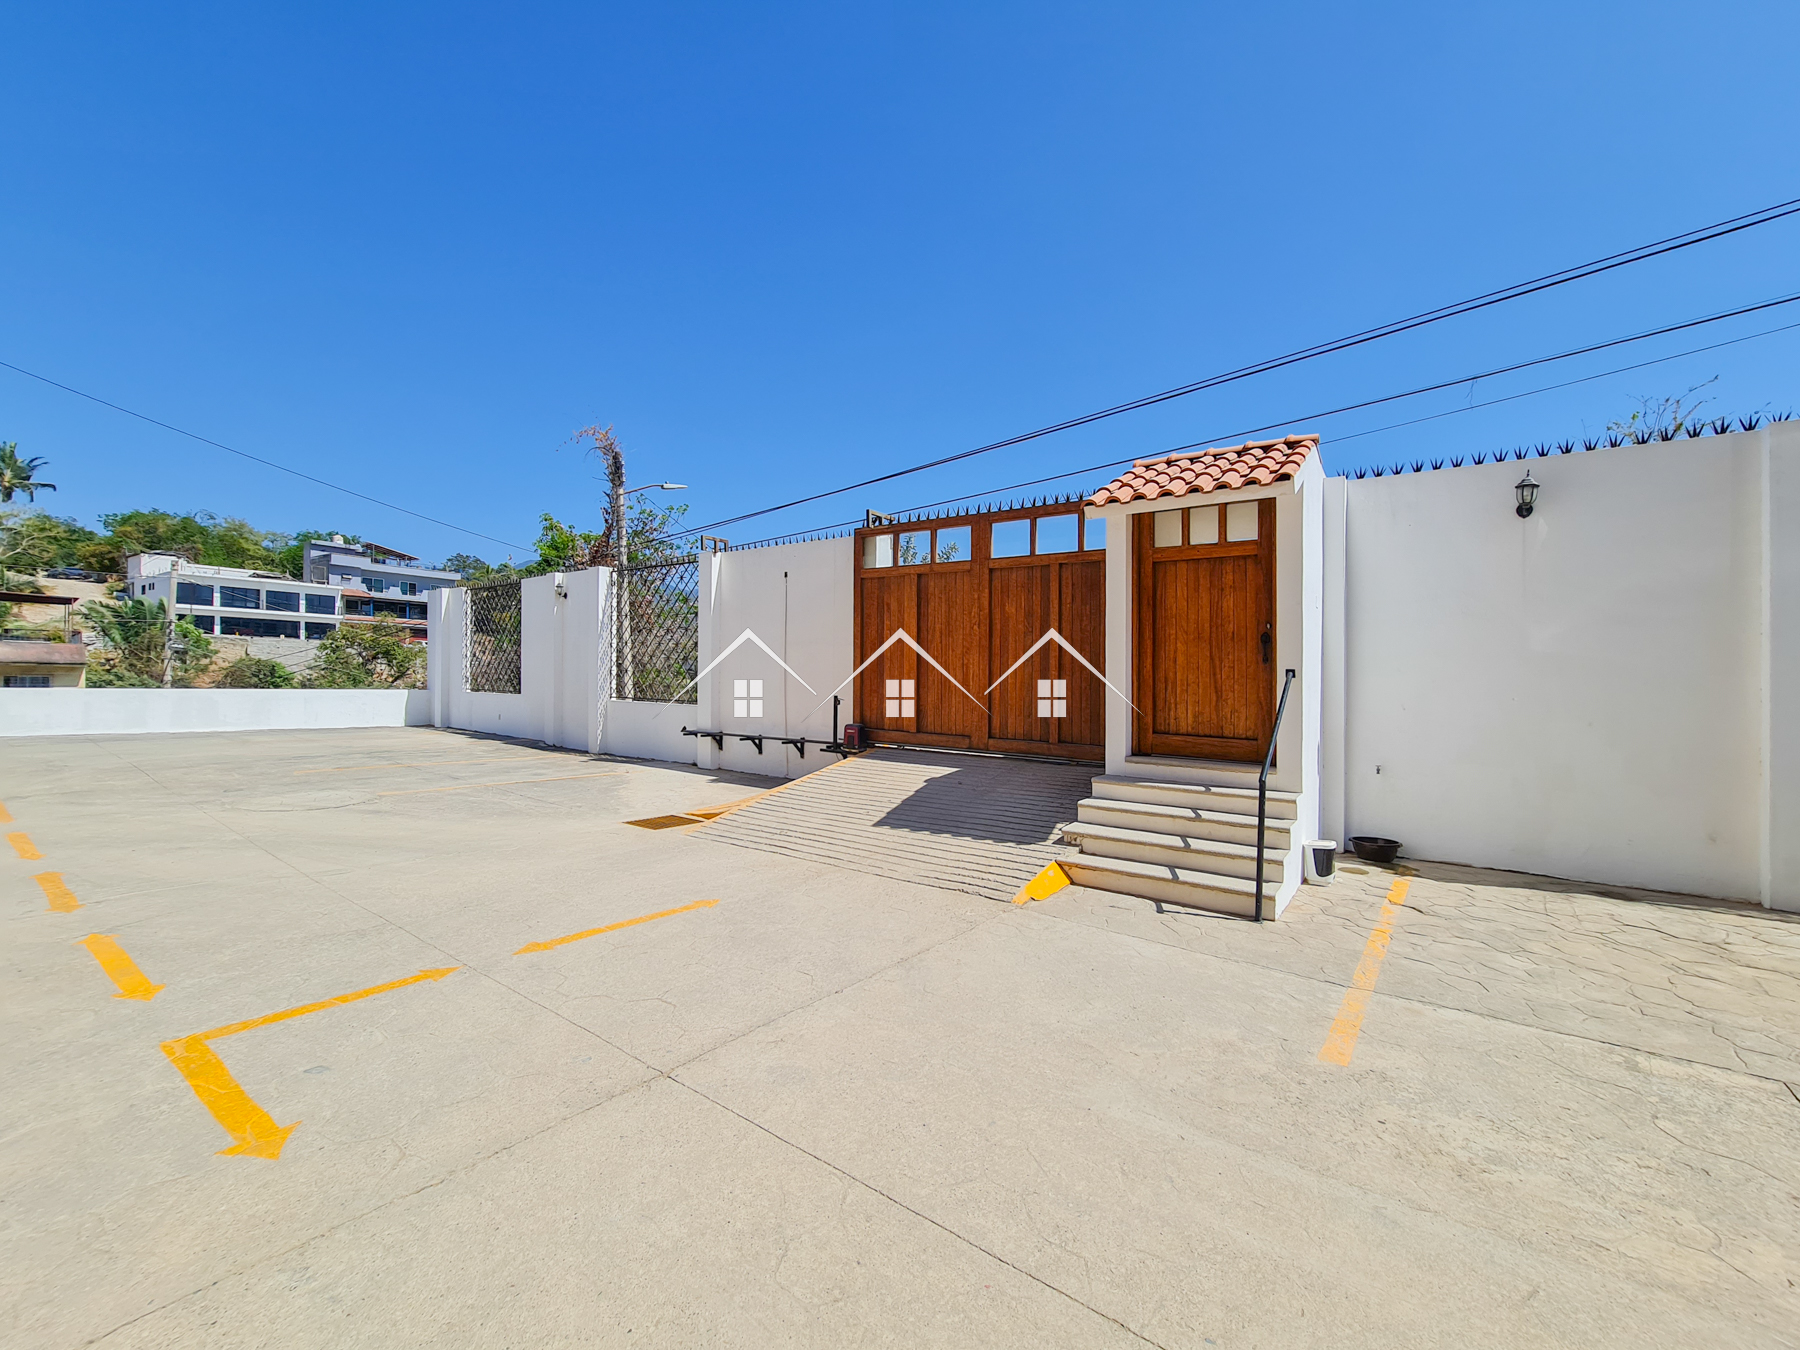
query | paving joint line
(938,1224)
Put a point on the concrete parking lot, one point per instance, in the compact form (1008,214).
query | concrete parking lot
(808,1106)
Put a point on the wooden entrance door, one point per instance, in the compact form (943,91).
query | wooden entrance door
(977,591)
(1204,630)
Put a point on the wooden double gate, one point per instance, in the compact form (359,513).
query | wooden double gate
(976,592)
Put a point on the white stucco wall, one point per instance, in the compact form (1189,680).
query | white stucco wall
(560,663)
(112,712)
(1591,692)
(800,600)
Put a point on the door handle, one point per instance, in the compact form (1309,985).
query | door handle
(1267,639)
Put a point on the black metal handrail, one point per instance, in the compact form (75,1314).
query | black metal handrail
(1262,798)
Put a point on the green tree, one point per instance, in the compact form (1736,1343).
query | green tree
(199,536)
(469,567)
(256,672)
(134,636)
(31,541)
(20,475)
(366,656)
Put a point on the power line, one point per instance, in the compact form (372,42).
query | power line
(1514,292)
(1391,398)
(245,454)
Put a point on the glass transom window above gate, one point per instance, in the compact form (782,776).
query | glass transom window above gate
(900,701)
(746,698)
(1053,698)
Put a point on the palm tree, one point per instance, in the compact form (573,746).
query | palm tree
(16,474)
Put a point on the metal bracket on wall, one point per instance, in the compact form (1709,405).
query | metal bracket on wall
(717,737)
(754,740)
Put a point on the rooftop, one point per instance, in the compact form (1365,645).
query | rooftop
(1201,471)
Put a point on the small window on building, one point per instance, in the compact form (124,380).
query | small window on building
(1166,531)
(1240,521)
(746,698)
(27,682)
(409,588)
(315,631)
(321,604)
(878,550)
(287,600)
(1203,525)
(900,698)
(193,593)
(416,612)
(376,583)
(1093,532)
(1058,534)
(1053,698)
(1012,538)
(240,597)
(204,622)
(915,548)
(953,544)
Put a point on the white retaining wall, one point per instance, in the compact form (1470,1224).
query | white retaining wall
(112,712)
(1608,690)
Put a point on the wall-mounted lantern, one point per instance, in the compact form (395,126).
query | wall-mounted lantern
(1527,488)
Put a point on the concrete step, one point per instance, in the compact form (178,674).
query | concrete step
(1176,851)
(1170,885)
(1181,769)
(1195,822)
(1198,796)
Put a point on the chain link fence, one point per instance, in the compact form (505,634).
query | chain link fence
(491,643)
(656,631)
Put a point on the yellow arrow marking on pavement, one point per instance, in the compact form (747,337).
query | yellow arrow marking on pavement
(119,967)
(612,927)
(57,892)
(1340,1042)
(23,846)
(254,1129)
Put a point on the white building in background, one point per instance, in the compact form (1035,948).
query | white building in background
(376,581)
(235,601)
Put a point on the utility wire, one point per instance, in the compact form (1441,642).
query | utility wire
(1514,292)
(245,454)
(1390,398)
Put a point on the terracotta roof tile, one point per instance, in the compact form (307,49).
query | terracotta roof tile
(1197,471)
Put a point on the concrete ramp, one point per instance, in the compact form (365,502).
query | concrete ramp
(969,823)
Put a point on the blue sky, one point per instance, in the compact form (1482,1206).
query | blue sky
(410,248)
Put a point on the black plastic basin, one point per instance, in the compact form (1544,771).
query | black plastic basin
(1373,848)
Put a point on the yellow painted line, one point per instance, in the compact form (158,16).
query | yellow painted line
(23,846)
(1044,885)
(422,764)
(735,807)
(57,892)
(612,927)
(511,782)
(254,1129)
(269,1019)
(5,815)
(119,967)
(714,812)
(1340,1042)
